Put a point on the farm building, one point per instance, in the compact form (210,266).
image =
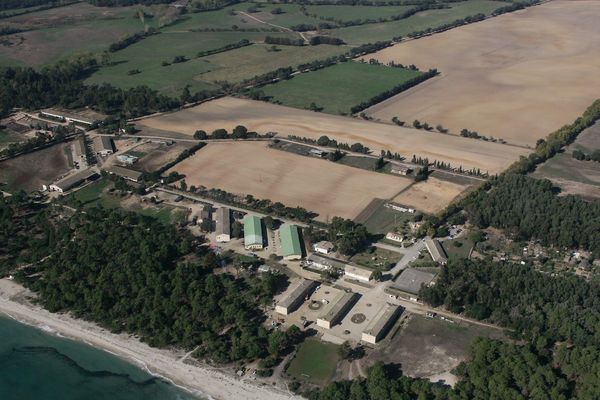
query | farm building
(436,251)
(400,170)
(253,237)
(381,324)
(86,118)
(358,273)
(127,159)
(293,299)
(126,173)
(409,283)
(399,207)
(80,153)
(317,153)
(223,225)
(337,309)
(396,237)
(323,247)
(290,242)
(103,145)
(72,180)
(324,263)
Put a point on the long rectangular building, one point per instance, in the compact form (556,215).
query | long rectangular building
(409,284)
(290,242)
(383,321)
(436,251)
(223,225)
(73,180)
(338,308)
(293,300)
(253,237)
(126,173)
(103,145)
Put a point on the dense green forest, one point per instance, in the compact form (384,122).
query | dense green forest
(529,208)
(131,273)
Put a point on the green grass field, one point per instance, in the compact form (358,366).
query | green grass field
(338,88)
(367,163)
(377,258)
(457,248)
(352,13)
(315,362)
(9,137)
(385,220)
(420,21)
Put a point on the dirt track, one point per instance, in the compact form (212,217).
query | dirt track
(263,117)
(518,77)
(317,185)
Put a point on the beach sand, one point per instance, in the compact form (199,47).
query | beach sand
(168,364)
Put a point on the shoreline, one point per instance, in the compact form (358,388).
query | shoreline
(165,364)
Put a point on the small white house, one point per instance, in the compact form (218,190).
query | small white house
(323,247)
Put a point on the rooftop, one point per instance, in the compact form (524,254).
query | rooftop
(252,230)
(82,115)
(330,262)
(223,221)
(102,143)
(435,249)
(298,291)
(290,240)
(351,269)
(124,172)
(339,302)
(380,321)
(411,280)
(69,181)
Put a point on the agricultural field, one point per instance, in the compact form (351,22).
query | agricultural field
(370,33)
(573,176)
(540,56)
(155,155)
(64,31)
(321,186)
(264,117)
(315,362)
(30,171)
(336,89)
(429,348)
(430,196)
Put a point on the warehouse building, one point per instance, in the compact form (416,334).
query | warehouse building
(436,251)
(296,297)
(253,236)
(72,180)
(80,153)
(126,173)
(324,263)
(358,273)
(381,324)
(103,146)
(83,117)
(409,283)
(291,247)
(223,225)
(337,309)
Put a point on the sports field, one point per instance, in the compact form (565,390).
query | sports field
(430,196)
(370,33)
(321,186)
(338,88)
(264,117)
(315,362)
(539,74)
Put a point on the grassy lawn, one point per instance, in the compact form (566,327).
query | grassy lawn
(384,220)
(367,163)
(338,88)
(291,14)
(315,362)
(9,137)
(246,62)
(377,258)
(420,21)
(352,13)
(457,248)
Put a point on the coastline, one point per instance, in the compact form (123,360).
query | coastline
(167,364)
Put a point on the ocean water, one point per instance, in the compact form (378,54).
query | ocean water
(35,365)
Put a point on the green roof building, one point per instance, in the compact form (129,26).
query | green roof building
(290,242)
(253,237)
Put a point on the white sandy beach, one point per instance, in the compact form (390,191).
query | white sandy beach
(204,381)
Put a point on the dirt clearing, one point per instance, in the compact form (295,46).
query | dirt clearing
(517,77)
(264,117)
(430,196)
(317,185)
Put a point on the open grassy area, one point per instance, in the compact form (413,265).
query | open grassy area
(359,162)
(338,88)
(420,21)
(376,258)
(457,248)
(9,137)
(383,219)
(352,13)
(315,362)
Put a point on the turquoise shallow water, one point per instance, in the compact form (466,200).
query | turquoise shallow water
(36,365)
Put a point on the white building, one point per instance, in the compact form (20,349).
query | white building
(396,237)
(323,247)
(360,274)
(380,325)
(337,309)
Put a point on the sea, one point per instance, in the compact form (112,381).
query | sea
(38,365)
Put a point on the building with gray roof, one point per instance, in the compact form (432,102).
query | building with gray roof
(337,309)
(383,321)
(293,299)
(409,283)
